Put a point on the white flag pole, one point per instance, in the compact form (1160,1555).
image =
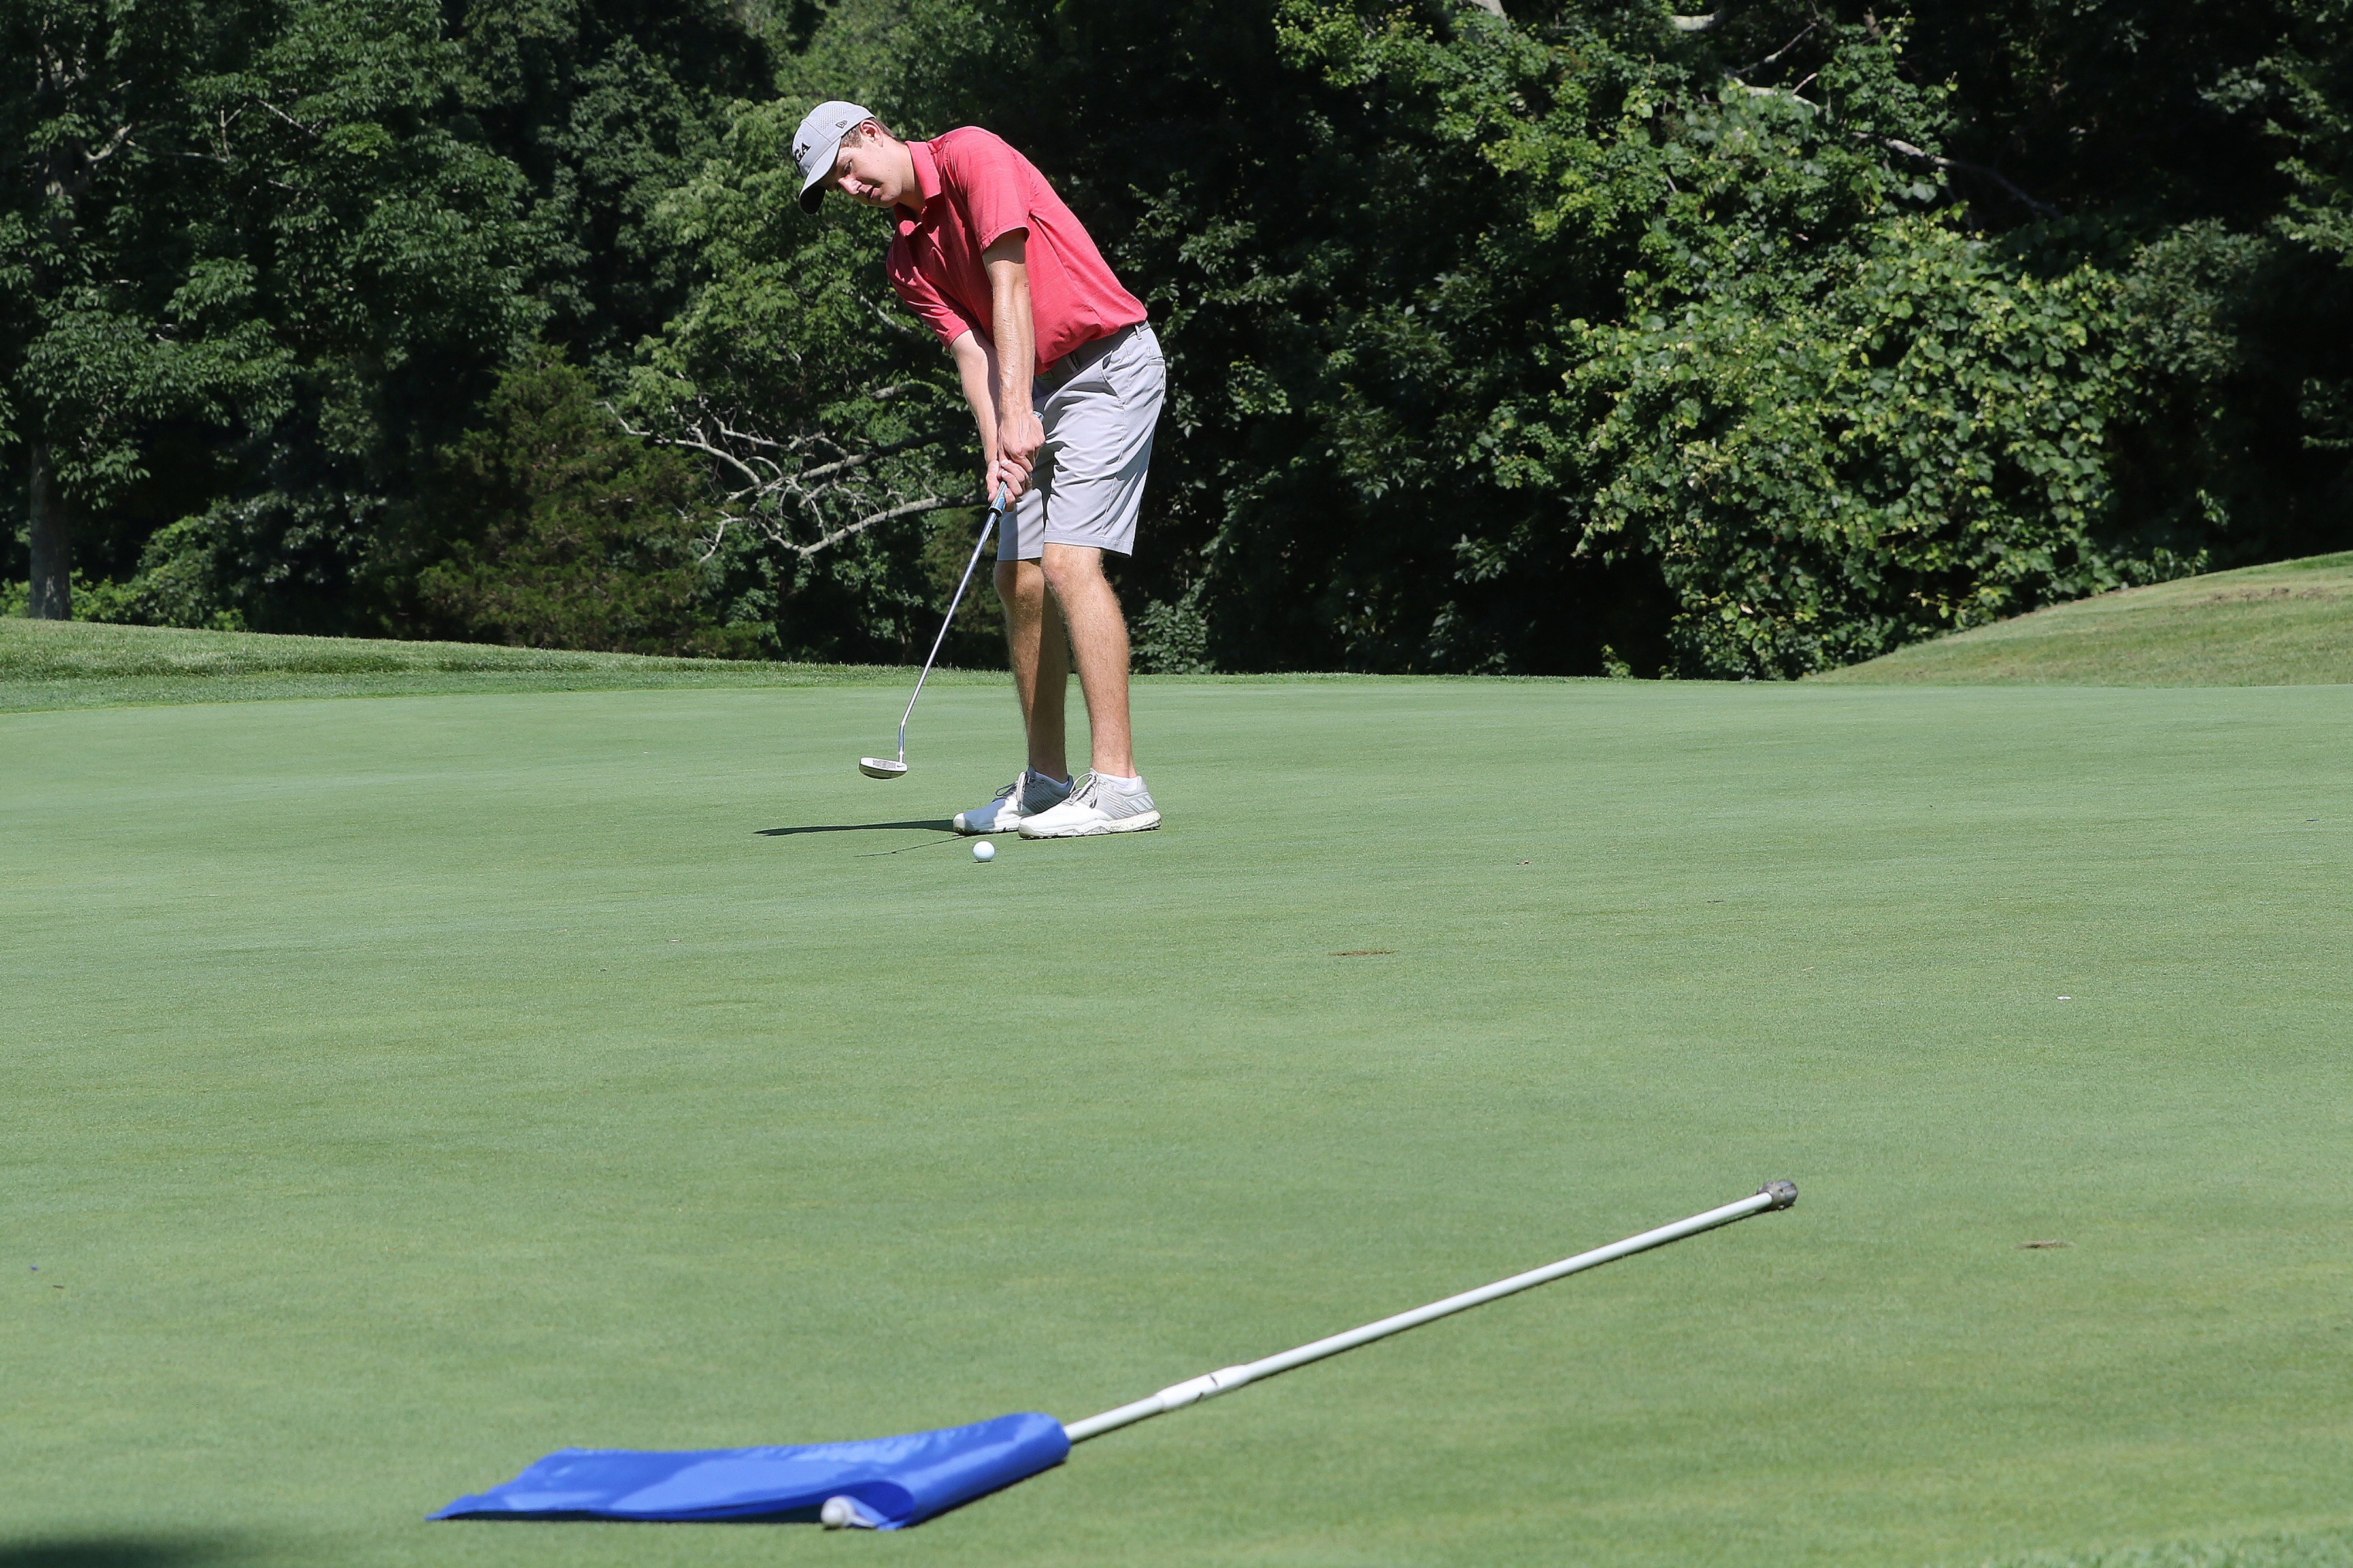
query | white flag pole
(1772,1196)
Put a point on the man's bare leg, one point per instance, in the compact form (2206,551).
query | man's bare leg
(1098,642)
(1041,662)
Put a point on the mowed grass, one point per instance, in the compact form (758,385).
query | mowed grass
(88,664)
(2287,624)
(399,1089)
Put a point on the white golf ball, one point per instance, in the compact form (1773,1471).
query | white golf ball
(983,851)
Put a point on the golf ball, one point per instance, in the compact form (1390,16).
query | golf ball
(983,851)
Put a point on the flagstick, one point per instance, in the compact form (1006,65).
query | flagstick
(1772,1196)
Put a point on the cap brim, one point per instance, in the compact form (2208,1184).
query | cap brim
(813,185)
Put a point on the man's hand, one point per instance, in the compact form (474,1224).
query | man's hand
(1019,435)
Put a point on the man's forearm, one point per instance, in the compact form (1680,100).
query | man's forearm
(1012,329)
(976,364)
(1013,343)
(1015,332)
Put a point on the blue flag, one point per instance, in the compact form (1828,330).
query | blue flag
(893,1482)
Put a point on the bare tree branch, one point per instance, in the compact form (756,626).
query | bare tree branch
(904,508)
(1936,160)
(290,120)
(113,144)
(1776,54)
(861,459)
(805,492)
(692,441)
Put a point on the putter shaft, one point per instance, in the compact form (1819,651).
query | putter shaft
(995,511)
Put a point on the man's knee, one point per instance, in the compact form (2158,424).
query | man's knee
(1072,569)
(1020,582)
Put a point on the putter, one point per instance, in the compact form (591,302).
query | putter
(885,767)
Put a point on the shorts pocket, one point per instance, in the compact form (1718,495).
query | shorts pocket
(1136,376)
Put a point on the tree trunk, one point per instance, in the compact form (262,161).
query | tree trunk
(52,543)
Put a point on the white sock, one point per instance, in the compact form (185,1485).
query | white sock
(1125,786)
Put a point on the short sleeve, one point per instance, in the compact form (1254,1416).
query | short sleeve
(934,308)
(989,177)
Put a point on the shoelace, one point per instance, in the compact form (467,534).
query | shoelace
(1021,782)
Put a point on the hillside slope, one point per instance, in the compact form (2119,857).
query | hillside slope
(2287,624)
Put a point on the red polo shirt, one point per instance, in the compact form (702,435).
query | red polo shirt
(975,191)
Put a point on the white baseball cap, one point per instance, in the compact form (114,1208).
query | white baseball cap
(818,141)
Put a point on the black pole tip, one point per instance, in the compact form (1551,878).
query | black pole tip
(1784,1193)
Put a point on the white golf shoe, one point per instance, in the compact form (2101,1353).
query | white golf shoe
(1095,806)
(1029,793)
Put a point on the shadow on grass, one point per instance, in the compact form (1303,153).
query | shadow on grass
(930,825)
(122,1551)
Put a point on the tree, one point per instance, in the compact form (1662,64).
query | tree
(359,215)
(2308,87)
(1530,336)
(574,534)
(114,312)
(605,106)
(827,422)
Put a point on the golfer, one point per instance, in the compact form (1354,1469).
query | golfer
(1066,381)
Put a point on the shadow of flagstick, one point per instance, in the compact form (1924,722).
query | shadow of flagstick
(926,844)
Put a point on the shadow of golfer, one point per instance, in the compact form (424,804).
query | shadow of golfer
(929,824)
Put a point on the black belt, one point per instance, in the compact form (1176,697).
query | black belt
(1086,353)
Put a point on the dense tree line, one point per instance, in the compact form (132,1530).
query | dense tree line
(1526,337)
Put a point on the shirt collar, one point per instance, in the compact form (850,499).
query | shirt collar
(927,181)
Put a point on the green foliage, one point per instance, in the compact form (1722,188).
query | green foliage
(331,241)
(112,316)
(1581,341)
(829,421)
(604,106)
(578,535)
(1570,339)
(1918,450)
(1408,444)
(1835,420)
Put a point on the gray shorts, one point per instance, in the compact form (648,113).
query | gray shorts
(1098,407)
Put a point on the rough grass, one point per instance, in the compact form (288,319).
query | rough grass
(2289,623)
(398,1089)
(89,664)
(49,665)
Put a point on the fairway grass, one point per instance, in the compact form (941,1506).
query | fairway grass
(399,1089)
(2287,624)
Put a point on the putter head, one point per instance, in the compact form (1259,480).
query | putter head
(882,767)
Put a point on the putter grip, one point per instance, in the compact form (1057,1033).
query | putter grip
(1784,1193)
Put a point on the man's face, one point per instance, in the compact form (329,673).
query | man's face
(873,169)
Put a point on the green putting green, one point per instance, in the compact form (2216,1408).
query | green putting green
(399,1089)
